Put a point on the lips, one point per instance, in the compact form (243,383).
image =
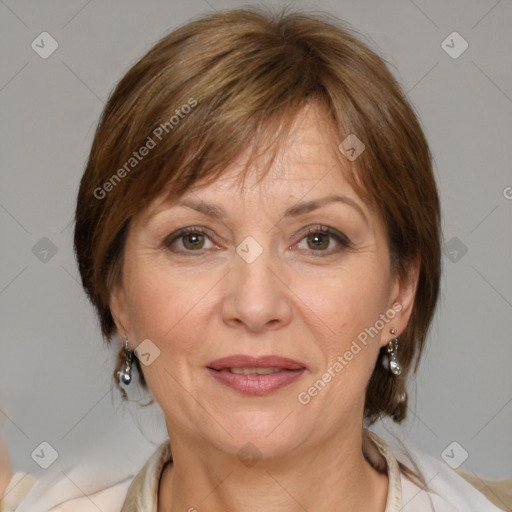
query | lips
(256,376)
(243,361)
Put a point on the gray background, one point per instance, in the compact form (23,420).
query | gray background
(55,372)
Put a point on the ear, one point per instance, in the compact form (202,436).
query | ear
(119,310)
(401,298)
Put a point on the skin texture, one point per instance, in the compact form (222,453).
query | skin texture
(209,303)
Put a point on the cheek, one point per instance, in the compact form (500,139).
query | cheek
(349,308)
(337,389)
(167,311)
(163,305)
(348,303)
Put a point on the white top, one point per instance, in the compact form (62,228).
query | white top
(139,493)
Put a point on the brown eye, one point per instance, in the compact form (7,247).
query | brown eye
(323,239)
(188,240)
(193,241)
(318,241)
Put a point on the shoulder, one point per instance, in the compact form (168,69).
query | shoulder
(21,496)
(16,489)
(25,493)
(498,492)
(446,490)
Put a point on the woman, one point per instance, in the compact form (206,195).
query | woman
(258,228)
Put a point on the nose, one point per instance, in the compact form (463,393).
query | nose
(257,298)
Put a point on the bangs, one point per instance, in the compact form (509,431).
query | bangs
(235,111)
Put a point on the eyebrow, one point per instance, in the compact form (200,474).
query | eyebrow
(308,206)
(217,212)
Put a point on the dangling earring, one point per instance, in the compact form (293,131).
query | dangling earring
(400,406)
(125,374)
(392,360)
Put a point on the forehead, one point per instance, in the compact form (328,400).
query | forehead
(307,158)
(306,164)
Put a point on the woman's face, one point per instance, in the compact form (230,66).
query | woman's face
(248,278)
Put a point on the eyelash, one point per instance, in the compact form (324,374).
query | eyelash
(320,230)
(182,233)
(326,230)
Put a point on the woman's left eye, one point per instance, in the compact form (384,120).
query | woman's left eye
(192,239)
(318,239)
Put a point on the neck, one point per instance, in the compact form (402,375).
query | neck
(333,476)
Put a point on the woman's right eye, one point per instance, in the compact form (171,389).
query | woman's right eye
(188,240)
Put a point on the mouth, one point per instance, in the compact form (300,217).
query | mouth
(256,375)
(268,364)
(254,371)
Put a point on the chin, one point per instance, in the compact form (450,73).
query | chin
(267,432)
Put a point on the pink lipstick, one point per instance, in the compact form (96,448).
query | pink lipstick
(256,375)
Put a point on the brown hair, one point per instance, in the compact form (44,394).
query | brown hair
(214,87)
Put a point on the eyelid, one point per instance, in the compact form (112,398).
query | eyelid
(176,235)
(317,228)
(338,236)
